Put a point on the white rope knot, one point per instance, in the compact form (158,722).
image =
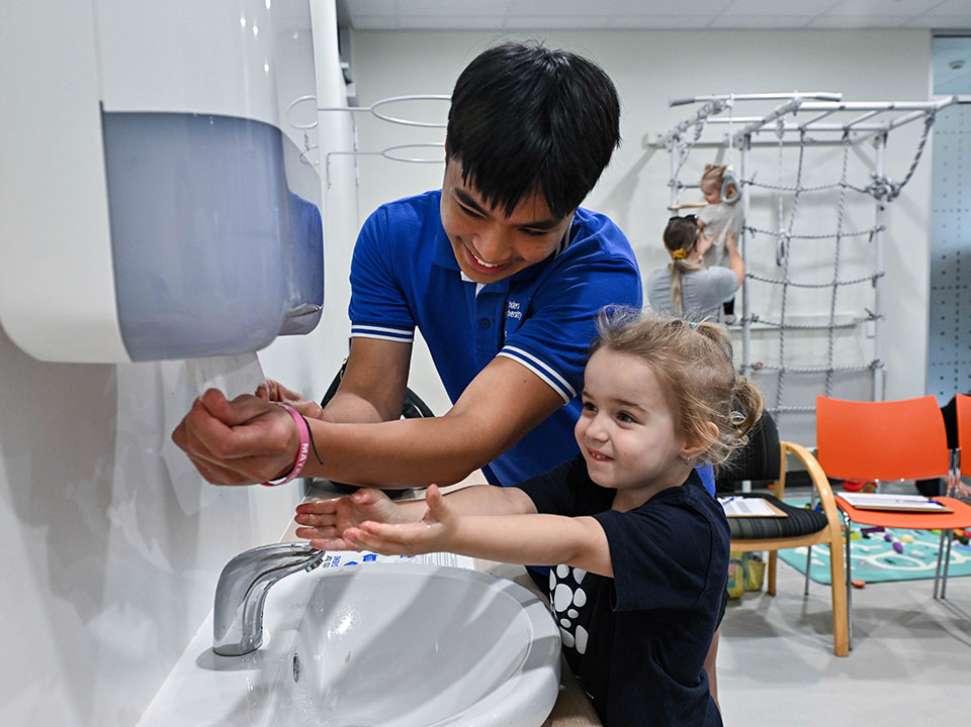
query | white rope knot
(883,188)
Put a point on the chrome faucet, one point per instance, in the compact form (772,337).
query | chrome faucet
(237,619)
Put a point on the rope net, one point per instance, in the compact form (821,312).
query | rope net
(790,201)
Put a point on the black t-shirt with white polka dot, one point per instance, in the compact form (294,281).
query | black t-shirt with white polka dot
(638,641)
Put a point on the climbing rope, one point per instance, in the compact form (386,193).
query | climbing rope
(782,249)
(884,188)
(789,326)
(840,216)
(816,369)
(825,236)
(776,281)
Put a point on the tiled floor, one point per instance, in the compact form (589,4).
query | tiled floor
(910,665)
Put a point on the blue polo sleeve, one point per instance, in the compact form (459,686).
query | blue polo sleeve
(378,308)
(554,340)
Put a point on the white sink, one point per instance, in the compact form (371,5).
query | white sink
(377,645)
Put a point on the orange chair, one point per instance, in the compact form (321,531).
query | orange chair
(892,440)
(885,440)
(963,405)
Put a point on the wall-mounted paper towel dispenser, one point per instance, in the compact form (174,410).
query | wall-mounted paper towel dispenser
(158,209)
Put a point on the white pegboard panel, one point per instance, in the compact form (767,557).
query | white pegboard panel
(949,347)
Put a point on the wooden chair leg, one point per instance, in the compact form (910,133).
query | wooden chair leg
(773,564)
(837,574)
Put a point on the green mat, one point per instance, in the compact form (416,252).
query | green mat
(875,560)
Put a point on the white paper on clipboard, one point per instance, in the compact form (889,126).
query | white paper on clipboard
(904,503)
(749,507)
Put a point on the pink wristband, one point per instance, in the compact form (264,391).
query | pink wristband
(302,449)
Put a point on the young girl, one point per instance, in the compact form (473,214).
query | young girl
(718,220)
(720,216)
(639,549)
(686,288)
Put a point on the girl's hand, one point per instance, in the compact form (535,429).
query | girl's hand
(432,535)
(275,391)
(325,521)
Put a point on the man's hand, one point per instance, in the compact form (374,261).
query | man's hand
(326,520)
(433,534)
(238,442)
(275,391)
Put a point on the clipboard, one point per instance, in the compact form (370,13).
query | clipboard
(894,503)
(749,507)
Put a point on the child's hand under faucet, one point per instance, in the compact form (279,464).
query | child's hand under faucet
(434,533)
(368,519)
(325,521)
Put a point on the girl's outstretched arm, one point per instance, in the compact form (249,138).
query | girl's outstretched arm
(324,521)
(525,539)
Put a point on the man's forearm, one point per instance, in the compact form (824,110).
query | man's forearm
(474,500)
(502,403)
(347,408)
(405,452)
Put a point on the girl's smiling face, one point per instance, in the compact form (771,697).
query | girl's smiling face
(712,191)
(627,430)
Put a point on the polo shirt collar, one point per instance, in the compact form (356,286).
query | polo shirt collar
(444,255)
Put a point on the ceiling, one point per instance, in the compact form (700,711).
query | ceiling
(652,14)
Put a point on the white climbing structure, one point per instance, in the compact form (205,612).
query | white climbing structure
(802,121)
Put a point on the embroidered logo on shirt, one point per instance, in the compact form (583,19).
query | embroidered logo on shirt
(566,596)
(513,309)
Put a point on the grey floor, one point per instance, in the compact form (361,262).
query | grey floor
(910,664)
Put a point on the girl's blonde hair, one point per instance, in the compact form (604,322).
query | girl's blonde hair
(679,237)
(713,174)
(693,363)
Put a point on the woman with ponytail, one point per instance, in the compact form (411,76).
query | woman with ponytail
(686,288)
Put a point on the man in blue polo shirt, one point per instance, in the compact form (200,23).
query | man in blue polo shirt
(502,273)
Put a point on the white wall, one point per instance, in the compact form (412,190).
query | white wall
(650,67)
(112,547)
(112,544)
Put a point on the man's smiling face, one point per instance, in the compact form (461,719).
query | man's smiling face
(488,245)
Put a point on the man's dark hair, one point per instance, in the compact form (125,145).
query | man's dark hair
(526,118)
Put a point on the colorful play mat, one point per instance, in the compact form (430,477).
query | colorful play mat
(876,560)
